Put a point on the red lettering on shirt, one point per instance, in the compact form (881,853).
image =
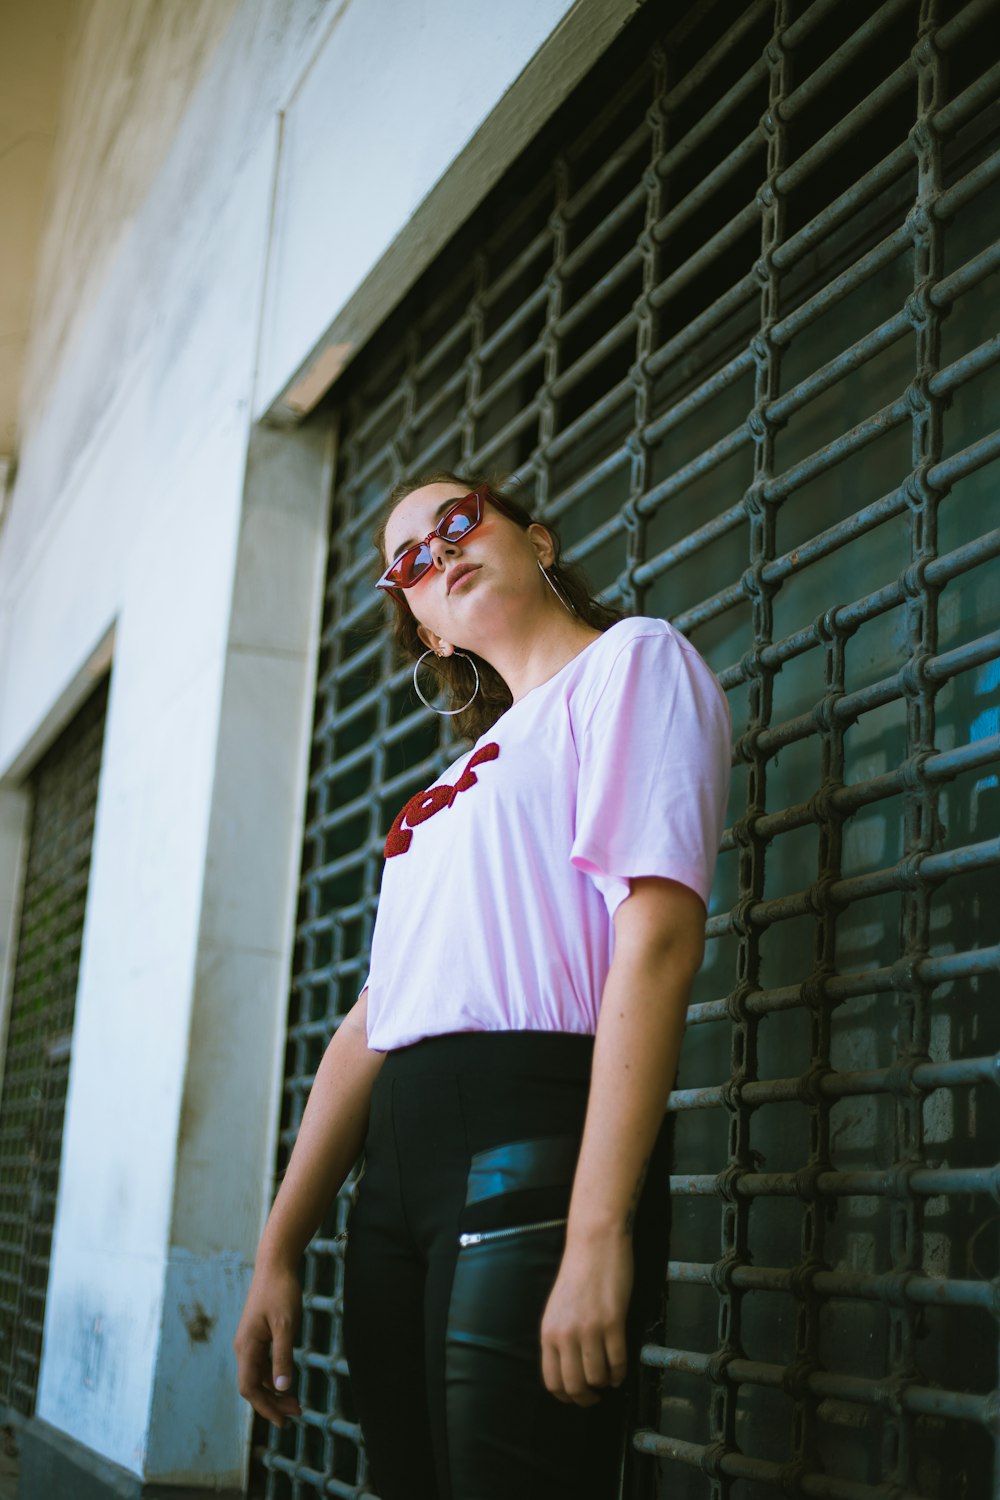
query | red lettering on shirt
(425,804)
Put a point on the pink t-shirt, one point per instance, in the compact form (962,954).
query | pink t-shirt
(501,881)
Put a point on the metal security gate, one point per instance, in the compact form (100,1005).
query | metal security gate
(39,1034)
(729,318)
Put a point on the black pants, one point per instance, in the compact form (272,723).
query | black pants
(471,1134)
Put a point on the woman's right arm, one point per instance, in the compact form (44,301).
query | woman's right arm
(328,1144)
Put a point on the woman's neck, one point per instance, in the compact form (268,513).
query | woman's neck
(530,657)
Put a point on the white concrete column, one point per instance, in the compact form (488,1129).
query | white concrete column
(175,1085)
(135,997)
(232,1086)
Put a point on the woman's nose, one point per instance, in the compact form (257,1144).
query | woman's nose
(443,552)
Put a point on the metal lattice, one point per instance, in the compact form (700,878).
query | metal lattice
(732,329)
(39,1035)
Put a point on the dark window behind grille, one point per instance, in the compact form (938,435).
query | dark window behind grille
(729,320)
(39,1033)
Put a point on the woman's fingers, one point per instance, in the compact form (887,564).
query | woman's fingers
(552,1371)
(576,1367)
(616,1353)
(255,1381)
(584,1370)
(275,1408)
(583,1329)
(594,1364)
(574,1380)
(264,1342)
(573,1385)
(281,1355)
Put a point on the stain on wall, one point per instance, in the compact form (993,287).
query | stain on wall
(198,1322)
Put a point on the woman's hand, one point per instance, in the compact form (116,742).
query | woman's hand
(264,1340)
(329,1141)
(583,1329)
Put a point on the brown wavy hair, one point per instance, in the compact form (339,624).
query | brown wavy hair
(454,672)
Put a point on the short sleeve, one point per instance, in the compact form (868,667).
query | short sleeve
(654,770)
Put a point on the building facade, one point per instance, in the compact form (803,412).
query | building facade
(719,287)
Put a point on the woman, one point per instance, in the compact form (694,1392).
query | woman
(507,1065)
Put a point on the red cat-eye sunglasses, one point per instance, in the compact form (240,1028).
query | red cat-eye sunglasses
(456,523)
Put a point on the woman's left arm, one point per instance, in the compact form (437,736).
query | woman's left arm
(659,946)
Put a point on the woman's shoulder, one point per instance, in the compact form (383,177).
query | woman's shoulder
(631,627)
(641,654)
(623,637)
(606,658)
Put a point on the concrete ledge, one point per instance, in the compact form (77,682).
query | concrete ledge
(55,1467)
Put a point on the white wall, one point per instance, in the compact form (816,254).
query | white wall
(35,43)
(403,123)
(153,518)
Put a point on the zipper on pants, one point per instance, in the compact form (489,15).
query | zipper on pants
(506,1234)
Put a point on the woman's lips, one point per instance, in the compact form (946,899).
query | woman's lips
(466,571)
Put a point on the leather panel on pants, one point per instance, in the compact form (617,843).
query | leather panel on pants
(507,1434)
(548,1161)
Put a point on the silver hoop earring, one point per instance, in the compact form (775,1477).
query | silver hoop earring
(416,685)
(557,591)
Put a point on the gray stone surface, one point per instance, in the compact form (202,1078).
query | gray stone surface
(54,1467)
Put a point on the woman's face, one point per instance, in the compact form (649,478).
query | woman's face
(472,585)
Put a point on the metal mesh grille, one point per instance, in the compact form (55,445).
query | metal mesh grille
(729,320)
(36,1066)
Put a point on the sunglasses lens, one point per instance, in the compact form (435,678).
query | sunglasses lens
(460,520)
(411,566)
